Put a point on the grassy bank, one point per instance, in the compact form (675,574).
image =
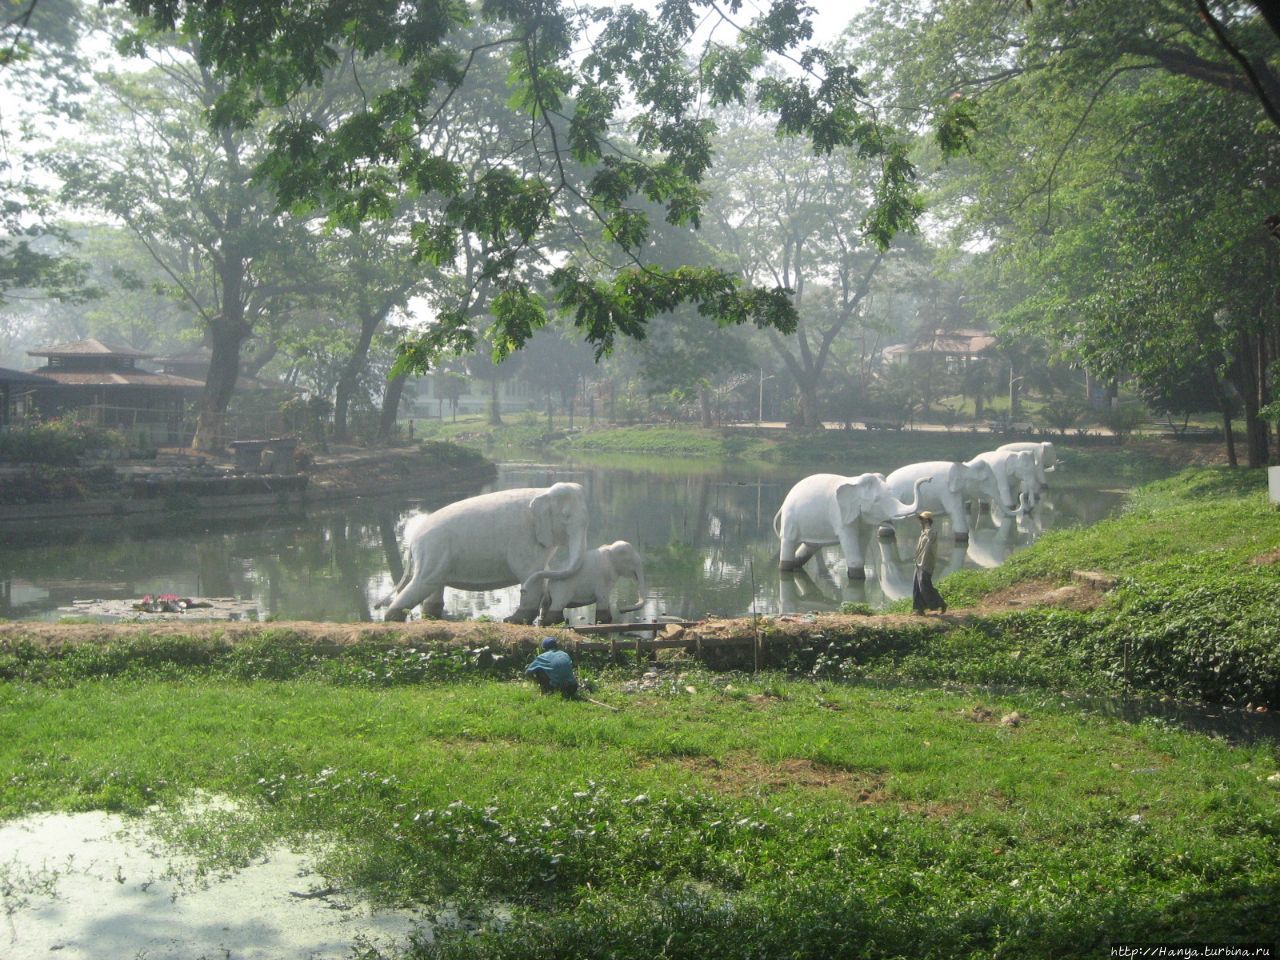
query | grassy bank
(710,816)
(850,450)
(1194,613)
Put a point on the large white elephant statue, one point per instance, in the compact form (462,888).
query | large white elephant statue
(1015,472)
(1046,456)
(952,485)
(826,508)
(491,541)
(593,583)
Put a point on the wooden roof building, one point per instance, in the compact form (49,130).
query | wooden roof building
(104,381)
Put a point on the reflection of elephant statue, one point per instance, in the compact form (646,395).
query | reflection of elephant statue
(593,583)
(953,484)
(1015,472)
(896,573)
(799,593)
(990,548)
(1046,457)
(491,541)
(825,508)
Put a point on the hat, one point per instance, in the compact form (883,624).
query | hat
(925,515)
(548,643)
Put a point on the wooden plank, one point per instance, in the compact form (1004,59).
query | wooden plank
(590,628)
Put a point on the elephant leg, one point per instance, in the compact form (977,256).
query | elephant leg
(787,554)
(851,544)
(426,587)
(805,553)
(531,604)
(959,521)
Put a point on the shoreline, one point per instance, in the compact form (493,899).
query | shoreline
(347,474)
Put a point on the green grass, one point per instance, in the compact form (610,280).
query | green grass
(767,817)
(1194,614)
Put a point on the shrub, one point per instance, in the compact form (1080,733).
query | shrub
(59,443)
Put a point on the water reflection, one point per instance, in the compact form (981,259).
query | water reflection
(706,535)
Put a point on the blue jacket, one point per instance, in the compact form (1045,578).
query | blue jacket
(558,666)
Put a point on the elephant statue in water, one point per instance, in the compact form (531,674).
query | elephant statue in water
(491,541)
(825,508)
(1016,473)
(1046,456)
(953,485)
(601,568)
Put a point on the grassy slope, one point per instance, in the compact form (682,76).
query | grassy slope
(905,822)
(1194,615)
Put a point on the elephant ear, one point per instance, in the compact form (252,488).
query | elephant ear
(955,478)
(851,497)
(540,507)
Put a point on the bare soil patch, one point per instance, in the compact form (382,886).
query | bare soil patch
(1266,559)
(1041,593)
(742,773)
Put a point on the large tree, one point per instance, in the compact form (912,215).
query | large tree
(1122,180)
(188,193)
(635,75)
(784,216)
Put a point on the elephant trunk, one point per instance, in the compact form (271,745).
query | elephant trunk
(912,508)
(577,553)
(640,589)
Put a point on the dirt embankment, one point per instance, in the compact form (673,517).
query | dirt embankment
(1086,592)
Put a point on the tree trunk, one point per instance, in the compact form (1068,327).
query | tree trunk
(495,406)
(1249,381)
(350,375)
(1224,405)
(704,402)
(391,407)
(808,417)
(226,337)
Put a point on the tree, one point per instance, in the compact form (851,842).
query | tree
(38,74)
(188,194)
(267,52)
(783,215)
(1121,181)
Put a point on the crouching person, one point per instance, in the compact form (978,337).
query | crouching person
(553,670)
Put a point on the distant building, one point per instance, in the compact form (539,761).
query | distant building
(16,389)
(104,383)
(956,348)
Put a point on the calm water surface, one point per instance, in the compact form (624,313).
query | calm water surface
(706,532)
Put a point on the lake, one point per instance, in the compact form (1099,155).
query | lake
(705,530)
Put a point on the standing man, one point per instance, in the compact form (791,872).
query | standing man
(553,670)
(924,595)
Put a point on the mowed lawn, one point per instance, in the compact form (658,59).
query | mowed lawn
(711,816)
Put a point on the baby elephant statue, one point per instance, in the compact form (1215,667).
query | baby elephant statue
(593,583)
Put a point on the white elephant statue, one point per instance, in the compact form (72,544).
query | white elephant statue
(826,508)
(1046,456)
(593,583)
(491,541)
(953,485)
(1015,472)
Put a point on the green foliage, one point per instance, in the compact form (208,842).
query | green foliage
(60,443)
(40,483)
(362,168)
(448,454)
